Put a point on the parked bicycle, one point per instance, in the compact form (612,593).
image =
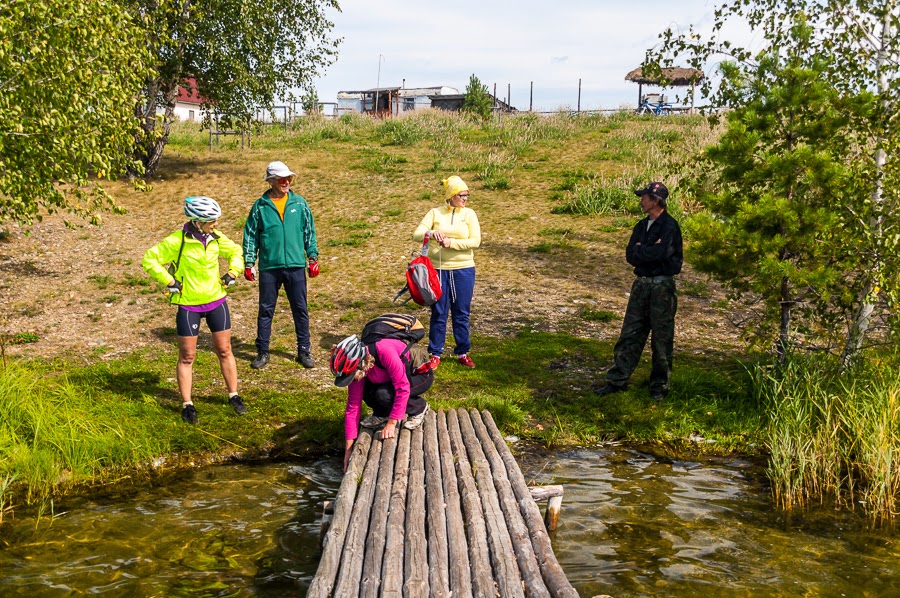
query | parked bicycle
(660,108)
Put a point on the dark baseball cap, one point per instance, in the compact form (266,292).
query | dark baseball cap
(657,190)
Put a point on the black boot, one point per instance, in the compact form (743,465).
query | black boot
(306,359)
(607,389)
(261,361)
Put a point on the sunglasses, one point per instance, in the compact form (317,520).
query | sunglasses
(463,195)
(284,181)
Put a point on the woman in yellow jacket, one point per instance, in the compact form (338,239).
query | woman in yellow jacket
(454,235)
(193,280)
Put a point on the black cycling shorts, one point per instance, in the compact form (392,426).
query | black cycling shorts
(187,323)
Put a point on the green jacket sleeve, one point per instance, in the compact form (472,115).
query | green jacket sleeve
(251,236)
(230,250)
(309,234)
(164,252)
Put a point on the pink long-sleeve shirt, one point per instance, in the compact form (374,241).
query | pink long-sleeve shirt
(393,370)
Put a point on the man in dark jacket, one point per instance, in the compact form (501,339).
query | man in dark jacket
(280,231)
(655,251)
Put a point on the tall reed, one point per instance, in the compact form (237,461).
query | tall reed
(832,437)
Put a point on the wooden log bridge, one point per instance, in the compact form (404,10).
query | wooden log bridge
(442,511)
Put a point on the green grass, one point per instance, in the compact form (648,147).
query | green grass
(57,432)
(599,315)
(545,247)
(19,338)
(599,195)
(102,280)
(379,162)
(351,240)
(544,382)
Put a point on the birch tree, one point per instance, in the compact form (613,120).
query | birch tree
(65,104)
(242,54)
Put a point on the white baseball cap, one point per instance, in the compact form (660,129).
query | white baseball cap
(277,170)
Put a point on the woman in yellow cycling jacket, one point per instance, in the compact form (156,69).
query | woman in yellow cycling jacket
(192,277)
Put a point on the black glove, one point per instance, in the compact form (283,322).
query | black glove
(227,280)
(174,287)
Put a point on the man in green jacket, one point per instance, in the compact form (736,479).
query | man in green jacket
(281,234)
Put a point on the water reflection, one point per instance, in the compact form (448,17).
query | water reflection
(225,531)
(631,525)
(635,525)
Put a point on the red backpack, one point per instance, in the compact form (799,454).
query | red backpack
(422,280)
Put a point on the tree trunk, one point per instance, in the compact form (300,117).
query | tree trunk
(866,298)
(154,133)
(784,330)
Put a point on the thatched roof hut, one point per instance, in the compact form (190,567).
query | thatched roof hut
(673,77)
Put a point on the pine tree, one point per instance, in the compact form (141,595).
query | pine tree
(478,100)
(855,45)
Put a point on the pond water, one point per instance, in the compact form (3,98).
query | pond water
(632,524)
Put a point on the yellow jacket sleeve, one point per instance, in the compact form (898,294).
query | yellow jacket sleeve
(426,225)
(164,252)
(232,252)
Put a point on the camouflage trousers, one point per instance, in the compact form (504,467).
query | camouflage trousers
(651,309)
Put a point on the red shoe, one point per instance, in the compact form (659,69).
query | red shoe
(466,361)
(434,362)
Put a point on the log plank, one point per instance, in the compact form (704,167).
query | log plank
(503,557)
(371,571)
(333,544)
(416,557)
(457,552)
(392,565)
(483,584)
(438,566)
(355,541)
(553,574)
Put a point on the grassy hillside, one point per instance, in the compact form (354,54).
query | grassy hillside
(554,199)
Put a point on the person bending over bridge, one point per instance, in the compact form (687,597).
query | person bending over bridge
(379,376)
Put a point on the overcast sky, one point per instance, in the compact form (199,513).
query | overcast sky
(552,44)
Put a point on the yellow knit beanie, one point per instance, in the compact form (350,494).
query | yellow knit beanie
(452,186)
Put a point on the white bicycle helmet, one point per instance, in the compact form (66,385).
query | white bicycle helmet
(202,209)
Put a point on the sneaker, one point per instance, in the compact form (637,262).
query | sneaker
(306,359)
(434,362)
(189,414)
(466,361)
(607,389)
(238,405)
(375,422)
(261,361)
(415,421)
(657,395)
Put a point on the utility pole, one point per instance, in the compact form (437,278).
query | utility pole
(579,95)
(377,85)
